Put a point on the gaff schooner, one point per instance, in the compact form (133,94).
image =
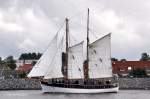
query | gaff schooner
(68,72)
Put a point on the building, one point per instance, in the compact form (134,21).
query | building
(25,68)
(123,68)
(22,62)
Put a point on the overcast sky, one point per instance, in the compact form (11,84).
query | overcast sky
(29,25)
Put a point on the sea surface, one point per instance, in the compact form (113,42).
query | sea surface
(37,94)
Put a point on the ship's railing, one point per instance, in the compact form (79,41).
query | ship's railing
(84,86)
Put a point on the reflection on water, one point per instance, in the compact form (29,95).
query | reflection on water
(34,94)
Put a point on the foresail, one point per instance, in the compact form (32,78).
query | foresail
(100,58)
(75,62)
(44,62)
(54,71)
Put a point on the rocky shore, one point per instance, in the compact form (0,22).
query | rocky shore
(134,83)
(34,84)
(19,84)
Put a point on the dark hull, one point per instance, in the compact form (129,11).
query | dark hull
(80,86)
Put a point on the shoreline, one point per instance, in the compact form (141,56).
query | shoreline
(34,84)
(20,84)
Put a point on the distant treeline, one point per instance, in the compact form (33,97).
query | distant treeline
(8,62)
(30,56)
(144,57)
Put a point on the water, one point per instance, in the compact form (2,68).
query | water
(34,94)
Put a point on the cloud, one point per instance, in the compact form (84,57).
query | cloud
(29,25)
(27,44)
(24,30)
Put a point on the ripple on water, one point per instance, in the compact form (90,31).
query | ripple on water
(35,94)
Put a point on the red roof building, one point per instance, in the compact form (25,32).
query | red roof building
(119,67)
(25,68)
(124,67)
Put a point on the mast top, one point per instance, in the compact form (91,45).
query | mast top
(66,19)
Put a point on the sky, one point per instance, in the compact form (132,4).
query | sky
(29,25)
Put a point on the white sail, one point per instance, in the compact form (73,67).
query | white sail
(44,62)
(100,58)
(75,62)
(54,70)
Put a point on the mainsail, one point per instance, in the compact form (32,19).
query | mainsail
(75,62)
(99,58)
(54,70)
(44,62)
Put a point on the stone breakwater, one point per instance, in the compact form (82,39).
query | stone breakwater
(19,84)
(34,84)
(134,83)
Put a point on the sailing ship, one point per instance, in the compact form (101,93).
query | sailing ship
(68,72)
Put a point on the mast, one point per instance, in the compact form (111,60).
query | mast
(66,60)
(86,74)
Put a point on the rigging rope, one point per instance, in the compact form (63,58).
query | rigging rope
(94,33)
(59,47)
(54,36)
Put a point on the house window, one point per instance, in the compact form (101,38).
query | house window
(122,70)
(129,68)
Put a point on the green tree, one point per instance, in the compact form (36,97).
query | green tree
(29,56)
(114,59)
(33,56)
(123,59)
(38,55)
(10,62)
(33,63)
(144,57)
(23,75)
(0,60)
(138,73)
(23,56)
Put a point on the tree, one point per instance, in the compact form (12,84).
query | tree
(144,57)
(138,73)
(23,56)
(123,60)
(30,56)
(114,59)
(38,55)
(0,60)
(33,63)
(10,62)
(23,75)
(33,56)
